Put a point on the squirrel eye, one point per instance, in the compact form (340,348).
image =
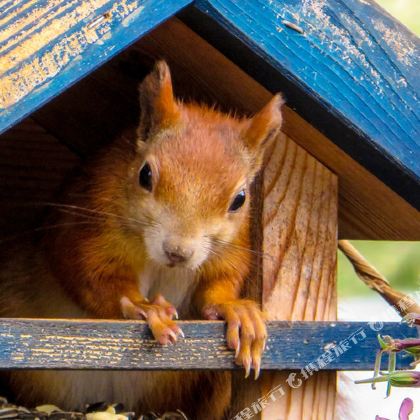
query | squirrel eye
(237,202)
(145,177)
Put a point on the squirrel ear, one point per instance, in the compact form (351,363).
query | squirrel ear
(159,109)
(264,126)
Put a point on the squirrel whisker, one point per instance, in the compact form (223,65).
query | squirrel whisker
(42,228)
(94,211)
(242,248)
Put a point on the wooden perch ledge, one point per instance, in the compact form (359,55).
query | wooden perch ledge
(127,345)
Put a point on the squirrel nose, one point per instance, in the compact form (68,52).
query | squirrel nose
(176,254)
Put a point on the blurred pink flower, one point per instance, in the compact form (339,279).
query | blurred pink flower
(405,410)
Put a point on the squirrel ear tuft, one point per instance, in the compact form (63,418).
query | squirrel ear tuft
(159,109)
(264,125)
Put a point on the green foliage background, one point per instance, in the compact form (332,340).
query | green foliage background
(406,11)
(399,262)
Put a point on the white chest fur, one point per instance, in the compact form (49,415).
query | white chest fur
(175,284)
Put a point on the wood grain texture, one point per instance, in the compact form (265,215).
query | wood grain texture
(128,345)
(364,212)
(205,73)
(299,228)
(367,207)
(351,73)
(300,235)
(47,46)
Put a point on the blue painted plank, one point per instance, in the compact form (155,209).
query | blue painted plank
(352,73)
(32,344)
(47,46)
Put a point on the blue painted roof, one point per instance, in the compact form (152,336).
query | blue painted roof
(347,67)
(89,34)
(350,69)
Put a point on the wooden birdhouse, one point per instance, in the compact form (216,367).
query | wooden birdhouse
(346,164)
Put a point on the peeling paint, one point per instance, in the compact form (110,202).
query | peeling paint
(18,84)
(17,31)
(339,40)
(46,34)
(404,49)
(132,16)
(9,16)
(313,17)
(33,68)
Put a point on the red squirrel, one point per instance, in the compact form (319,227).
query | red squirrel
(152,228)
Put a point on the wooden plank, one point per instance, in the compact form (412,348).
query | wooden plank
(367,207)
(299,230)
(47,46)
(128,345)
(352,73)
(382,76)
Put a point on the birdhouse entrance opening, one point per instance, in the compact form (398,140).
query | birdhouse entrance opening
(294,208)
(294,199)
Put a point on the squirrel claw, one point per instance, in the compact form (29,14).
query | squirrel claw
(257,369)
(131,311)
(247,365)
(172,337)
(158,314)
(238,348)
(165,305)
(246,332)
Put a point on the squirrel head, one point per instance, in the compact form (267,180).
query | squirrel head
(192,171)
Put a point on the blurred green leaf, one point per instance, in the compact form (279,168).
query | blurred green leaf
(399,262)
(406,11)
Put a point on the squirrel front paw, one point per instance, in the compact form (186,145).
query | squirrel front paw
(246,331)
(159,315)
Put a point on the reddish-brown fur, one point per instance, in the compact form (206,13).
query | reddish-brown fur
(108,249)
